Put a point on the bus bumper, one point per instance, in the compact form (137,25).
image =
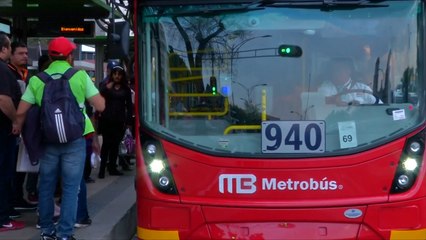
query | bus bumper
(176,221)
(148,234)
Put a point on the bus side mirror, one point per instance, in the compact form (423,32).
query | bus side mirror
(118,40)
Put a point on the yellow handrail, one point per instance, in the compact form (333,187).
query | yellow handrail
(250,127)
(241,127)
(208,114)
(184,79)
(263,105)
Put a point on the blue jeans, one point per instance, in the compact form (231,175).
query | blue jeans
(65,161)
(82,211)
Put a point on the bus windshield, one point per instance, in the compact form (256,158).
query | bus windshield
(282,79)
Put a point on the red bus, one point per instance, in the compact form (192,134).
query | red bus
(245,132)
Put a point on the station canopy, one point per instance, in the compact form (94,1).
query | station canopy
(70,9)
(50,18)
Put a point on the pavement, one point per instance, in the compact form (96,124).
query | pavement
(112,208)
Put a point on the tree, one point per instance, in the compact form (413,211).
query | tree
(203,31)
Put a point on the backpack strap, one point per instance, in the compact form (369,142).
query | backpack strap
(70,72)
(45,77)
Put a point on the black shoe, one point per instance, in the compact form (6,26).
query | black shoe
(14,214)
(89,180)
(66,238)
(55,221)
(83,223)
(45,236)
(24,205)
(126,167)
(129,162)
(115,172)
(124,163)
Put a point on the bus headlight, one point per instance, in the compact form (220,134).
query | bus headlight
(416,147)
(151,149)
(409,163)
(403,181)
(164,181)
(158,168)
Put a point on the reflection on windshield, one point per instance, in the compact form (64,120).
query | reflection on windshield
(213,80)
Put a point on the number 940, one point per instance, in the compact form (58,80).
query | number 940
(293,137)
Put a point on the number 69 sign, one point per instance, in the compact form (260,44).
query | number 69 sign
(293,137)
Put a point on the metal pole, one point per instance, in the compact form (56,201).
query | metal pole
(234,50)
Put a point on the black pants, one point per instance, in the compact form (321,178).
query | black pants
(7,172)
(18,188)
(112,134)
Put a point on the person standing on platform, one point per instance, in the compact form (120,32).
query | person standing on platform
(10,94)
(60,159)
(92,146)
(18,65)
(113,121)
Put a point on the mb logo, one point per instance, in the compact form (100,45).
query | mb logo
(238,183)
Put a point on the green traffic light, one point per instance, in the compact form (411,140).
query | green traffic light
(290,51)
(286,50)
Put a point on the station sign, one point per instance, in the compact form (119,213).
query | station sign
(66,29)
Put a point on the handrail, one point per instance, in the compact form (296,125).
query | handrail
(241,127)
(208,114)
(250,127)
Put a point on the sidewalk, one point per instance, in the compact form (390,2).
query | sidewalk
(112,208)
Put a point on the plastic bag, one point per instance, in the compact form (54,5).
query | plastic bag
(24,163)
(94,160)
(127,145)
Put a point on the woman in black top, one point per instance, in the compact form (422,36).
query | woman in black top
(114,120)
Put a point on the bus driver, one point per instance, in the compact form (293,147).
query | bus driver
(341,89)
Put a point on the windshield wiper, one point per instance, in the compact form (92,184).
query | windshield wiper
(206,11)
(323,4)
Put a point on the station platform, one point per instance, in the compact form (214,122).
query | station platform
(112,208)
